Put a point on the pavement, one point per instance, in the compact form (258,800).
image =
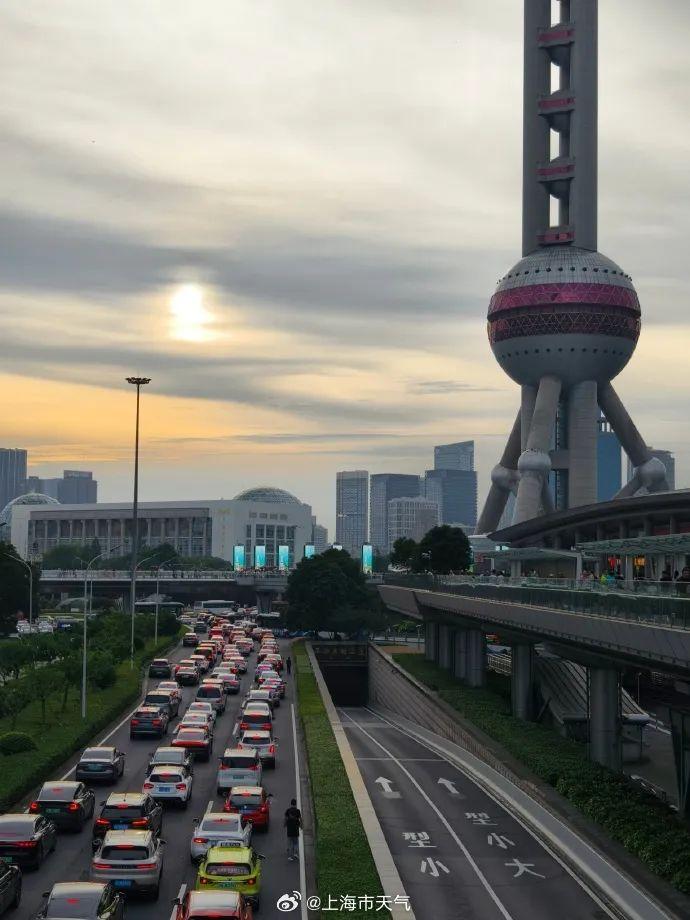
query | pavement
(459,852)
(72,857)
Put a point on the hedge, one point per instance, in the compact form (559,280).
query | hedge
(66,732)
(645,826)
(344,864)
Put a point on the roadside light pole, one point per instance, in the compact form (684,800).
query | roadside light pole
(158,595)
(86,607)
(138,382)
(27,566)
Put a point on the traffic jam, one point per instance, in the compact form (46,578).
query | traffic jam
(128,841)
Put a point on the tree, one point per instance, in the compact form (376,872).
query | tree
(70,670)
(442,550)
(14,588)
(404,551)
(13,699)
(42,686)
(14,657)
(381,562)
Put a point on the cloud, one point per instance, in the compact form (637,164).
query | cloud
(443,387)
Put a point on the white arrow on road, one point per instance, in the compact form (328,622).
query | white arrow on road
(386,787)
(450,786)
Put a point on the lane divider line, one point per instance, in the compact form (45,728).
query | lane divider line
(298,796)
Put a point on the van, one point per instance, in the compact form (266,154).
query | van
(238,767)
(213,694)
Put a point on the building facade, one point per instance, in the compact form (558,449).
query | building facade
(609,462)
(457,456)
(76,487)
(12,474)
(351,510)
(382,488)
(319,536)
(264,516)
(411,516)
(455,493)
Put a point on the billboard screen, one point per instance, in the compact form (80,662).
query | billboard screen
(283,558)
(259,557)
(309,550)
(367,558)
(238,558)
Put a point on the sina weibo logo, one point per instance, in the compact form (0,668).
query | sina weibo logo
(288,902)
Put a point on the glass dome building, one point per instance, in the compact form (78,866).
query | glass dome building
(268,494)
(30,498)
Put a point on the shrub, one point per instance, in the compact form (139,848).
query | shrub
(16,743)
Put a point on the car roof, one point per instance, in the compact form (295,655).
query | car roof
(258,734)
(148,709)
(101,750)
(228,854)
(168,749)
(214,901)
(125,798)
(91,891)
(61,785)
(14,818)
(230,817)
(117,838)
(240,790)
(235,751)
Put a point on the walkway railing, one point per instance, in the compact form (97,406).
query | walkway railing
(167,574)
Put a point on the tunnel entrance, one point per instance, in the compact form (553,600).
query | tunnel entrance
(344,666)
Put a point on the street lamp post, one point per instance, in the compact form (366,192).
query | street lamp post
(86,607)
(158,594)
(138,382)
(27,566)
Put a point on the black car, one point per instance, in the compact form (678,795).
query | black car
(26,839)
(171,756)
(68,804)
(100,765)
(163,698)
(82,901)
(160,667)
(187,675)
(10,886)
(124,811)
(190,638)
(149,720)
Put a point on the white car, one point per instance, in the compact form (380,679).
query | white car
(217,827)
(195,720)
(169,783)
(200,706)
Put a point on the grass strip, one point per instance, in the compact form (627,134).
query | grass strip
(65,732)
(645,826)
(344,864)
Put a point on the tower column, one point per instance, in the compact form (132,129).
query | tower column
(503,478)
(535,132)
(582,443)
(534,464)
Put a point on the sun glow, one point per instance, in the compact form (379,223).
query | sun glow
(190,319)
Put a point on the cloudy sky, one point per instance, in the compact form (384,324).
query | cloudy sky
(291,215)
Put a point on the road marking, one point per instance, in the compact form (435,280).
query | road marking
(209,807)
(298,796)
(468,856)
(449,784)
(403,759)
(387,787)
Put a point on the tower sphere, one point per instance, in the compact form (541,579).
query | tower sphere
(567,312)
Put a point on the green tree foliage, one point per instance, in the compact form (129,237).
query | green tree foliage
(444,549)
(69,670)
(42,685)
(404,551)
(14,588)
(13,699)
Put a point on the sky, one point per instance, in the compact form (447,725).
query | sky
(291,216)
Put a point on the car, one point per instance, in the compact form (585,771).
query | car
(160,667)
(256,716)
(275,689)
(170,755)
(149,720)
(211,692)
(200,626)
(201,661)
(202,706)
(215,828)
(82,901)
(123,811)
(230,681)
(100,765)
(238,767)
(172,687)
(187,675)
(251,803)
(67,804)
(26,839)
(264,743)
(168,782)
(190,639)
(131,860)
(198,740)
(236,868)
(194,719)
(163,698)
(264,695)
(203,905)
(237,661)
(10,886)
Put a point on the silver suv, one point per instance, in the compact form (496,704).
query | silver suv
(238,767)
(131,860)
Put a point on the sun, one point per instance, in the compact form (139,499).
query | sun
(190,319)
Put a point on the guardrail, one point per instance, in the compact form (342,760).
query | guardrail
(164,575)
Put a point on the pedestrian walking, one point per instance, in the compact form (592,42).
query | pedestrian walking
(293,823)
(288,664)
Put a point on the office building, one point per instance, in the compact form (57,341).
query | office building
(319,536)
(410,516)
(382,488)
(75,487)
(667,459)
(351,510)
(455,493)
(609,462)
(458,456)
(264,516)
(12,474)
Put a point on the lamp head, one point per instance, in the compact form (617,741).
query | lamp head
(138,381)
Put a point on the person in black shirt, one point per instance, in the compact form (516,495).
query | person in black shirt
(293,822)
(288,664)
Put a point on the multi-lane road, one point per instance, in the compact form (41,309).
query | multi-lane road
(72,857)
(458,851)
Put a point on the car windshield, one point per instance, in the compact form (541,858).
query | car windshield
(239,761)
(97,754)
(227,869)
(158,697)
(84,904)
(56,793)
(191,734)
(117,813)
(245,798)
(124,853)
(209,693)
(162,661)
(256,718)
(226,823)
(169,755)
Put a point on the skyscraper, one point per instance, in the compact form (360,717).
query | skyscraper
(382,488)
(565,320)
(666,457)
(609,463)
(351,510)
(457,456)
(410,517)
(75,487)
(12,474)
(455,493)
(319,536)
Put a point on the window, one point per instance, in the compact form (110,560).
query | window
(262,515)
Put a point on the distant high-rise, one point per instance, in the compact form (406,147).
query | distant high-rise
(12,474)
(669,462)
(319,536)
(609,462)
(455,493)
(410,516)
(351,510)
(382,488)
(75,487)
(457,456)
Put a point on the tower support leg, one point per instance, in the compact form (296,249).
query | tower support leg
(534,464)
(503,478)
(476,658)
(582,443)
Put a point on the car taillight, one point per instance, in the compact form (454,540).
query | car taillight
(266,726)
(34,807)
(134,722)
(157,722)
(250,881)
(223,767)
(180,786)
(203,881)
(272,749)
(200,840)
(26,844)
(102,822)
(100,865)
(73,806)
(263,808)
(148,785)
(254,766)
(140,822)
(146,865)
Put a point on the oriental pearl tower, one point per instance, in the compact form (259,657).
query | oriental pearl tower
(564,321)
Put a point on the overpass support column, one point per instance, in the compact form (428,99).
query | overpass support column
(263,601)
(476,658)
(460,666)
(431,640)
(521,683)
(605,717)
(444,655)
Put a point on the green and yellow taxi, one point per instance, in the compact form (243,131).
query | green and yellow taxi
(231,867)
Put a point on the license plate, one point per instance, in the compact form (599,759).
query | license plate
(165,788)
(53,811)
(122,883)
(120,827)
(94,767)
(228,884)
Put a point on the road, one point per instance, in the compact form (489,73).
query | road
(71,859)
(459,852)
